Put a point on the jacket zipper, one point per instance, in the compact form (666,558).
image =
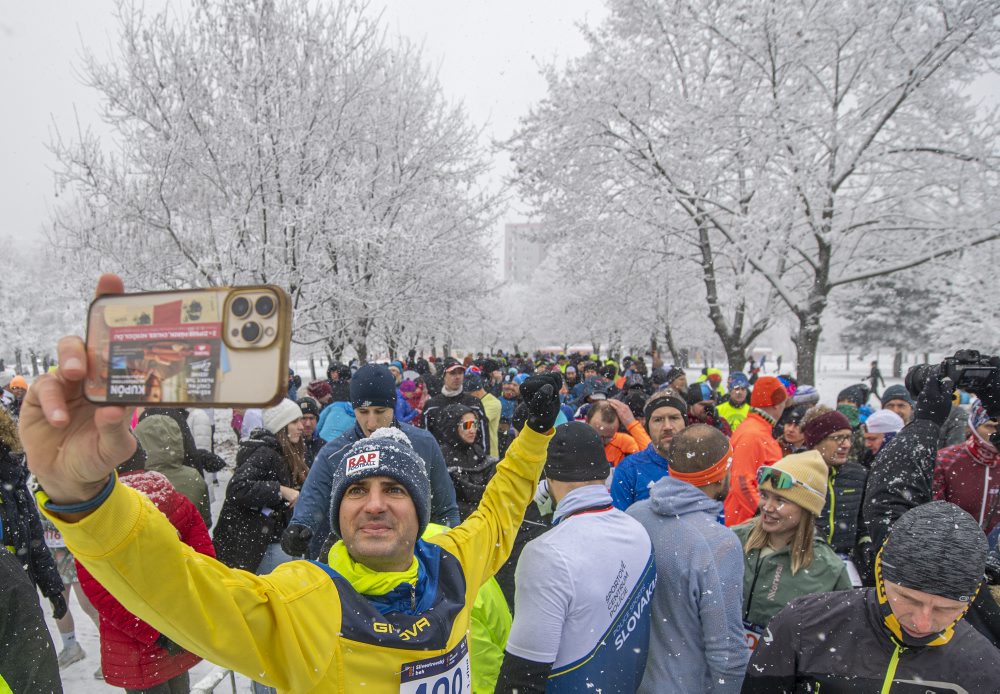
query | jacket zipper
(753,584)
(986,493)
(890,673)
(413,598)
(833,503)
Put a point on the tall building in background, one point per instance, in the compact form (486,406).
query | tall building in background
(523,251)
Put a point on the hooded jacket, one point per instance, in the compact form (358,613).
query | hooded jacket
(968,475)
(768,582)
(21,527)
(468,465)
(130,657)
(162,439)
(696,637)
(838,644)
(254,514)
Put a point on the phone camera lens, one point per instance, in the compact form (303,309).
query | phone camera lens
(264,306)
(240,307)
(250,331)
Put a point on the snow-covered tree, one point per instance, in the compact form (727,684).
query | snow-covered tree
(284,142)
(798,147)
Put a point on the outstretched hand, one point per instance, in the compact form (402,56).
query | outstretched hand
(934,402)
(72,445)
(541,396)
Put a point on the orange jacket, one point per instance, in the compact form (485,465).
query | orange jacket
(626,444)
(753,446)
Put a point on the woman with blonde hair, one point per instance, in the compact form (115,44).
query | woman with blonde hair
(783,558)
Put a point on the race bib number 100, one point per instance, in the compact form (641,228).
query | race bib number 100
(450,673)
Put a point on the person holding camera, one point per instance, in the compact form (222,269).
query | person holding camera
(901,478)
(393,613)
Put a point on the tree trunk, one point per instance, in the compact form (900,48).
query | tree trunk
(362,349)
(897,364)
(312,366)
(668,336)
(34,363)
(848,355)
(17,360)
(806,343)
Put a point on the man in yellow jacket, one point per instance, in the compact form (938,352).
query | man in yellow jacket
(390,613)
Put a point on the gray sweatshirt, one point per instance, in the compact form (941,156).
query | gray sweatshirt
(697,641)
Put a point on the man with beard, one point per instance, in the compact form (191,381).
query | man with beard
(697,628)
(665,414)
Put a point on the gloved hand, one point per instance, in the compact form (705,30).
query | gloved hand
(934,403)
(542,498)
(990,397)
(711,416)
(541,395)
(295,539)
(169,646)
(59,607)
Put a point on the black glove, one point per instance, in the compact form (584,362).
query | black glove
(990,395)
(59,607)
(541,395)
(934,403)
(295,539)
(711,416)
(169,646)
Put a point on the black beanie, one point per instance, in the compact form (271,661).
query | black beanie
(373,386)
(576,454)
(936,548)
(664,398)
(308,406)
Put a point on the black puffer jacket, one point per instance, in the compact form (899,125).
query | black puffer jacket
(836,643)
(842,523)
(901,478)
(253,515)
(27,657)
(22,526)
(468,465)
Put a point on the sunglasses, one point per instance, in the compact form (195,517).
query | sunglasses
(781,480)
(469,426)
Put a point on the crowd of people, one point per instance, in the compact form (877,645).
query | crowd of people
(508,523)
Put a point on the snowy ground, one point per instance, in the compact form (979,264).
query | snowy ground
(78,678)
(833,376)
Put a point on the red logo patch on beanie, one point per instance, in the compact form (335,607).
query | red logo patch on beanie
(362,462)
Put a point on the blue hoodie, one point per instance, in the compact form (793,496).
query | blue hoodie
(634,474)
(697,622)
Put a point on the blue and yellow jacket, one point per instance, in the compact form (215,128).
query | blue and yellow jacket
(303,628)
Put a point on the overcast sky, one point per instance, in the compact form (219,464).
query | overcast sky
(487,54)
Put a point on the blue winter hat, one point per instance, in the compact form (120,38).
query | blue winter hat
(520,378)
(738,379)
(386,453)
(373,386)
(978,415)
(473,382)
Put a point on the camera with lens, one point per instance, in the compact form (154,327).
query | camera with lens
(968,370)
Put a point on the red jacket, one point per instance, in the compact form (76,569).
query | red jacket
(130,657)
(968,475)
(753,446)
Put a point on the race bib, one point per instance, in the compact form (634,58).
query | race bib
(53,538)
(753,633)
(450,673)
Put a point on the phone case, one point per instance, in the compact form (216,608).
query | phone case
(216,347)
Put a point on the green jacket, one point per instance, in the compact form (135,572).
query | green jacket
(733,415)
(768,583)
(160,437)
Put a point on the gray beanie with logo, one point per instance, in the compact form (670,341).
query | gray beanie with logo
(936,548)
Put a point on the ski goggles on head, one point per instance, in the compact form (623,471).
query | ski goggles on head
(468,426)
(781,480)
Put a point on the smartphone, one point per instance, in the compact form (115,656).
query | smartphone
(216,347)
